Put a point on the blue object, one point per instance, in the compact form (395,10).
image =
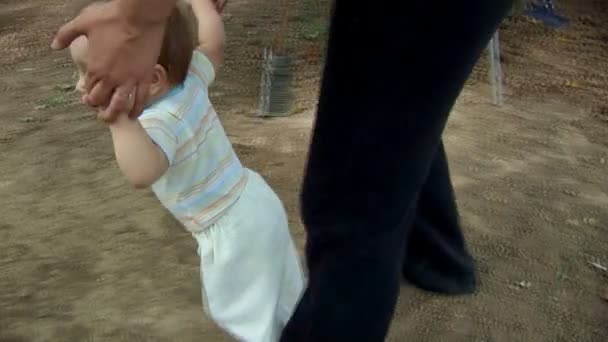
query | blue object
(545,13)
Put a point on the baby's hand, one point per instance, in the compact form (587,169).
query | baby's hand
(120,117)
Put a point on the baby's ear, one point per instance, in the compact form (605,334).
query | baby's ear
(160,75)
(160,80)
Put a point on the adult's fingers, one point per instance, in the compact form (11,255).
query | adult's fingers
(221,4)
(141,97)
(120,103)
(68,32)
(99,93)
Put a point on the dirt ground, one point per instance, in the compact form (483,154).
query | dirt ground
(83,257)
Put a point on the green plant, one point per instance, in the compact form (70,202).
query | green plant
(314,29)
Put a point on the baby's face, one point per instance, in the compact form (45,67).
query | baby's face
(79,51)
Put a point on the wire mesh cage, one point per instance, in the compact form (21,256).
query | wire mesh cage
(274,55)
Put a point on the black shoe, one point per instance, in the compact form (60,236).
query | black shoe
(422,275)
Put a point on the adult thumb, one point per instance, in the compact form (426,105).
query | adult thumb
(67,33)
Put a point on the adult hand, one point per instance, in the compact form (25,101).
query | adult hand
(219,4)
(122,57)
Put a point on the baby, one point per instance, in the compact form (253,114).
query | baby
(250,273)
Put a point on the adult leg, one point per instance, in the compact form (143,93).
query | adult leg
(436,254)
(394,70)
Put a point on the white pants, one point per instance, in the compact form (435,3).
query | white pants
(250,271)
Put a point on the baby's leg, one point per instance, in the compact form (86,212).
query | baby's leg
(250,271)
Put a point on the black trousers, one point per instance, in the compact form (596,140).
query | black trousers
(377,200)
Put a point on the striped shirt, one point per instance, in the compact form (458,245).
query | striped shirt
(205,177)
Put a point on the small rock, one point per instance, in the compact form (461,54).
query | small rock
(572,222)
(590,221)
(523,284)
(599,266)
(602,161)
(571,84)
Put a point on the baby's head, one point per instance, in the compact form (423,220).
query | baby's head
(173,62)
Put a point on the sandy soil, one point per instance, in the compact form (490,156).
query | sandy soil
(83,257)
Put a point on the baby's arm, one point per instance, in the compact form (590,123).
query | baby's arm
(211,36)
(138,157)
